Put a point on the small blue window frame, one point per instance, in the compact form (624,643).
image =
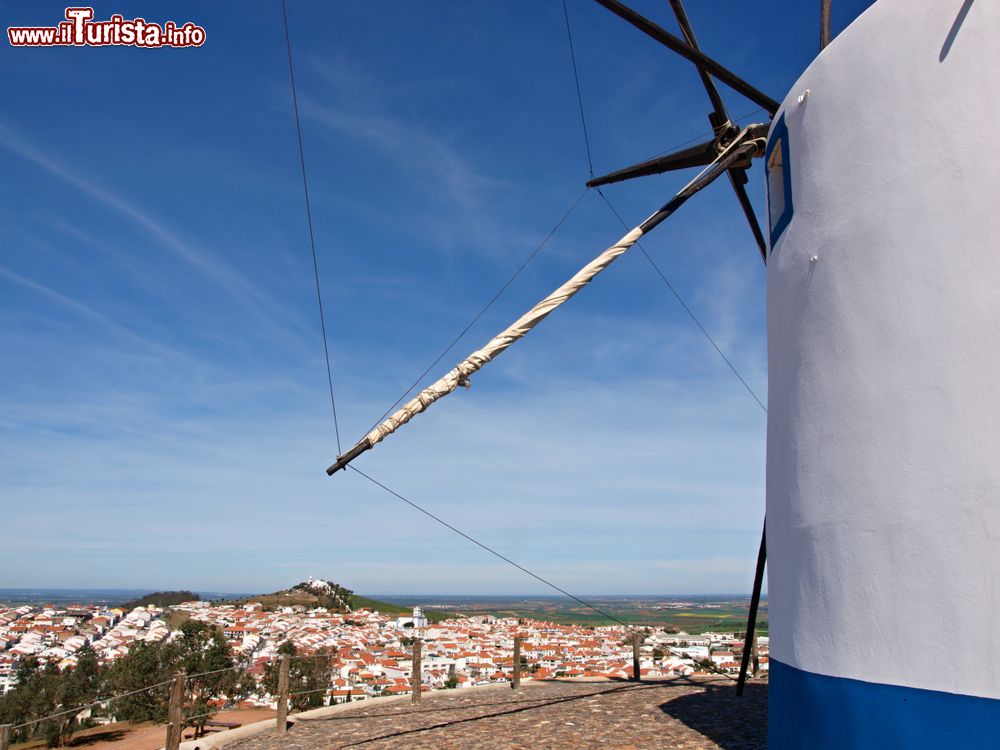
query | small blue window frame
(779,134)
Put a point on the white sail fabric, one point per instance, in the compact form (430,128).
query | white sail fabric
(519,329)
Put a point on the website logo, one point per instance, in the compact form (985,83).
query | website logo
(81,30)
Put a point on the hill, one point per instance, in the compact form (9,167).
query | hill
(363,602)
(310,594)
(317,592)
(161,599)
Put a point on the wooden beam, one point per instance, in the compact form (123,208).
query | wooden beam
(516,680)
(175,712)
(636,671)
(824,24)
(281,721)
(416,673)
(685,50)
(750,635)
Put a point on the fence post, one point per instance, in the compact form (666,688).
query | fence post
(281,721)
(4,736)
(636,672)
(416,673)
(175,712)
(516,681)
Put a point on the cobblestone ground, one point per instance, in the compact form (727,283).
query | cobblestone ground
(683,713)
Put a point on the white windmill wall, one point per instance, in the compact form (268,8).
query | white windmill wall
(883,467)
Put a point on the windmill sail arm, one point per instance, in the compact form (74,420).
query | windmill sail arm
(499,343)
(695,156)
(744,146)
(691,53)
(459,375)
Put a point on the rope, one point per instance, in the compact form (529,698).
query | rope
(461,334)
(697,137)
(307,692)
(309,221)
(579,97)
(583,122)
(686,308)
(202,716)
(583,118)
(90,705)
(459,375)
(711,665)
(492,551)
(214,671)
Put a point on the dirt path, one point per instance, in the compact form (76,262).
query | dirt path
(145,736)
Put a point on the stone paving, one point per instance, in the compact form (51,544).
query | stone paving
(693,713)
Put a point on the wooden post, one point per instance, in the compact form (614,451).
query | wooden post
(824,24)
(636,672)
(516,681)
(281,721)
(751,631)
(754,656)
(416,672)
(175,712)
(4,736)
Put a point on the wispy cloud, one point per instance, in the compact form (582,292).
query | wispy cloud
(436,169)
(221,274)
(571,478)
(90,314)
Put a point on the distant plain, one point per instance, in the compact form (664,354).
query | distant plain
(690,613)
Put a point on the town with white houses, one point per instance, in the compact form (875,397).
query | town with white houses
(370,650)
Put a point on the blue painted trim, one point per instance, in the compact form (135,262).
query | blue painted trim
(780,133)
(807,710)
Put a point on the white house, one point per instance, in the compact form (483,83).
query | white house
(418,620)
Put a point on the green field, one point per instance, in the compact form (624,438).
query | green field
(695,617)
(363,602)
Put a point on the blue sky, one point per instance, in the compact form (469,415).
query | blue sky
(164,420)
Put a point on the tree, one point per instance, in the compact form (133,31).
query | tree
(312,680)
(203,649)
(26,701)
(35,697)
(145,664)
(246,685)
(45,690)
(308,677)
(77,686)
